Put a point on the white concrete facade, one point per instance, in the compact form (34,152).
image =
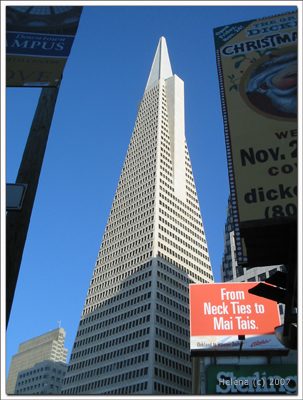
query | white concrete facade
(133,336)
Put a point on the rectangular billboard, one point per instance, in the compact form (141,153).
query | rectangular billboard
(257,70)
(38,42)
(221,312)
(279,379)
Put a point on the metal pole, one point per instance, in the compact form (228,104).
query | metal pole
(196,379)
(17,222)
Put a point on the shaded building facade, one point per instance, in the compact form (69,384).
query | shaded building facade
(45,377)
(232,272)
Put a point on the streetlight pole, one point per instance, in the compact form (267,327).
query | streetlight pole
(17,222)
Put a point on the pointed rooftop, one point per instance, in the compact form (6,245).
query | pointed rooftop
(161,67)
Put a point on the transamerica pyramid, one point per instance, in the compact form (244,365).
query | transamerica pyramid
(133,335)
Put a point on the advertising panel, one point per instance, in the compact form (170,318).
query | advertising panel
(252,379)
(221,312)
(257,69)
(38,43)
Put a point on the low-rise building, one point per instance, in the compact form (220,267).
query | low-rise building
(49,346)
(45,377)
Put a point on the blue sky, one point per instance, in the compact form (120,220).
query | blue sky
(104,78)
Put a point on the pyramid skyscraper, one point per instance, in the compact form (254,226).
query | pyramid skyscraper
(133,335)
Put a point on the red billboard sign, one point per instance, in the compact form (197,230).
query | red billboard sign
(221,312)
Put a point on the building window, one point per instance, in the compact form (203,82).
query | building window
(262,277)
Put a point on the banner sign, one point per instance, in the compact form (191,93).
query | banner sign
(257,69)
(252,379)
(221,312)
(38,43)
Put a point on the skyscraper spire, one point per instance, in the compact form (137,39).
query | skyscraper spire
(133,335)
(161,67)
